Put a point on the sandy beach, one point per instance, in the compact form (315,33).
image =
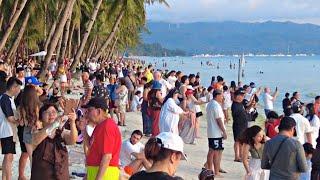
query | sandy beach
(189,170)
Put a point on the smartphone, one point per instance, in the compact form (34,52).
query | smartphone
(276,88)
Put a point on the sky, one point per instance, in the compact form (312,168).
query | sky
(181,11)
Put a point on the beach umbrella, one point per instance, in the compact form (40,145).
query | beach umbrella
(40,54)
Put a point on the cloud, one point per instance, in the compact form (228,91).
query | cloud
(237,10)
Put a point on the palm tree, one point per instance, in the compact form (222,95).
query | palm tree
(131,8)
(56,36)
(12,22)
(86,35)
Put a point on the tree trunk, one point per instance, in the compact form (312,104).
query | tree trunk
(18,39)
(86,35)
(112,34)
(11,24)
(53,28)
(64,41)
(79,37)
(1,21)
(91,47)
(70,40)
(58,49)
(14,9)
(56,36)
(112,48)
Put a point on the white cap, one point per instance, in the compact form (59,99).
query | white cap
(172,141)
(190,87)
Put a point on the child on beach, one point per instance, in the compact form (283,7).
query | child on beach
(308,149)
(136,102)
(271,126)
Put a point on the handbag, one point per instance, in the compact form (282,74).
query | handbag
(275,155)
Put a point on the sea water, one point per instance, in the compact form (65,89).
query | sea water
(289,74)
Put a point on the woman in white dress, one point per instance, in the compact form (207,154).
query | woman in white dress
(253,142)
(314,123)
(170,113)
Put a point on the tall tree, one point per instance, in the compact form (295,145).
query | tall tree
(13,21)
(17,41)
(86,35)
(56,36)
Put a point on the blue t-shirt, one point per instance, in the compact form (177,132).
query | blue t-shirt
(112,91)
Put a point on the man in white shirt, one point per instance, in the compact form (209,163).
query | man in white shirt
(8,125)
(132,157)
(216,132)
(303,128)
(268,99)
(92,66)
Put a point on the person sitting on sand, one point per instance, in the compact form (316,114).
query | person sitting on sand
(132,157)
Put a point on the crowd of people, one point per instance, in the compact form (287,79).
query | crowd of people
(44,119)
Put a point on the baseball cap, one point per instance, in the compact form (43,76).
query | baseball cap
(156,85)
(172,141)
(190,87)
(239,92)
(252,85)
(189,92)
(97,102)
(33,80)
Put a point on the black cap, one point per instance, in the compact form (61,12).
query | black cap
(287,123)
(97,102)
(240,91)
(216,92)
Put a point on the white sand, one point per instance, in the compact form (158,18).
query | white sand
(188,169)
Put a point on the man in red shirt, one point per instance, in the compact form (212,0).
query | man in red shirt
(103,147)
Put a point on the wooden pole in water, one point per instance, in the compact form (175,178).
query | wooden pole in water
(239,71)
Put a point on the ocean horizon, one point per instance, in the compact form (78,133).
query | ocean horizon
(288,73)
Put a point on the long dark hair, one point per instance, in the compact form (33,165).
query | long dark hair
(170,94)
(249,134)
(311,111)
(30,105)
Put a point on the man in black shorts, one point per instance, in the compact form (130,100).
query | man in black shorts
(216,132)
(240,120)
(8,122)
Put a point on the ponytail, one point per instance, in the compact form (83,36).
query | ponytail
(155,151)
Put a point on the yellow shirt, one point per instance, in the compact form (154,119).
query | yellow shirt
(149,76)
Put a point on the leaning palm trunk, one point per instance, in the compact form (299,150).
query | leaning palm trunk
(112,34)
(112,49)
(64,41)
(53,28)
(86,35)
(70,40)
(58,49)
(14,9)
(11,24)
(1,21)
(91,47)
(17,41)
(56,36)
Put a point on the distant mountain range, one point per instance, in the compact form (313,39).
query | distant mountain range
(236,37)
